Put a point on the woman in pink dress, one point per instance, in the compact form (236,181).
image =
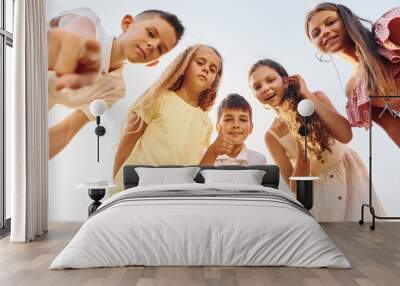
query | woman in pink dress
(375,55)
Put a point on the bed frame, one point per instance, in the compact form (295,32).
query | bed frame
(270,179)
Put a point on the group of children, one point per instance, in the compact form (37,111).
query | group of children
(186,91)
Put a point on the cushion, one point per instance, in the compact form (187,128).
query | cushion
(247,177)
(163,176)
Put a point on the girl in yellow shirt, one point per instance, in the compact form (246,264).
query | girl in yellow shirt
(169,123)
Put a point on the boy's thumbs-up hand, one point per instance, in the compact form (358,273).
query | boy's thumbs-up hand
(222,145)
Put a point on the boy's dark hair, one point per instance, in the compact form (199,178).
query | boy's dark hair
(235,101)
(172,19)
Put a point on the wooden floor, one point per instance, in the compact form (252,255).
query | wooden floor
(374,255)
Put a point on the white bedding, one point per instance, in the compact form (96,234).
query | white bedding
(182,231)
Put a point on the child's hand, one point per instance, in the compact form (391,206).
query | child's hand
(222,145)
(75,59)
(299,82)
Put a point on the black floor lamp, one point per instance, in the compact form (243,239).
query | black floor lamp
(370,205)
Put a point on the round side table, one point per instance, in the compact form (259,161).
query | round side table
(96,193)
(304,190)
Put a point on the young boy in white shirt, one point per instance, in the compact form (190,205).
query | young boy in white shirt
(234,122)
(144,39)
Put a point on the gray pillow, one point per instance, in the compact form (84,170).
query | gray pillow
(166,176)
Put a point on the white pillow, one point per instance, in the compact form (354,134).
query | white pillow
(164,176)
(248,177)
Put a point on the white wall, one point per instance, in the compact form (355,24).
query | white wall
(243,32)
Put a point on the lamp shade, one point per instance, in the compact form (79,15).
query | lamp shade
(98,107)
(305,107)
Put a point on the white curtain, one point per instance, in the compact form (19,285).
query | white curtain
(26,123)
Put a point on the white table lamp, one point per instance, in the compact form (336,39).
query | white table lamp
(305,108)
(97,108)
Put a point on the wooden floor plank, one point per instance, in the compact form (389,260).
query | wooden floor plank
(374,255)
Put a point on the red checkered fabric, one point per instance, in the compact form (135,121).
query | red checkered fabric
(358,103)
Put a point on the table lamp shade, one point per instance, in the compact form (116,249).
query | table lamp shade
(98,107)
(305,107)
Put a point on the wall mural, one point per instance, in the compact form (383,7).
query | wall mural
(189,100)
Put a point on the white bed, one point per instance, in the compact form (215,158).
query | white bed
(224,225)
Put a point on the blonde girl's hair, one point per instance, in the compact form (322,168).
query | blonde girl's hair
(172,79)
(374,67)
(320,137)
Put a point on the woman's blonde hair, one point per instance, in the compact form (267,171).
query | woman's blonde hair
(374,67)
(172,79)
(320,137)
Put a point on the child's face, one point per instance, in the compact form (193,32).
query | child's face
(327,32)
(147,39)
(268,86)
(235,124)
(202,70)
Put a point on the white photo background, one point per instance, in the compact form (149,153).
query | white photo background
(243,32)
